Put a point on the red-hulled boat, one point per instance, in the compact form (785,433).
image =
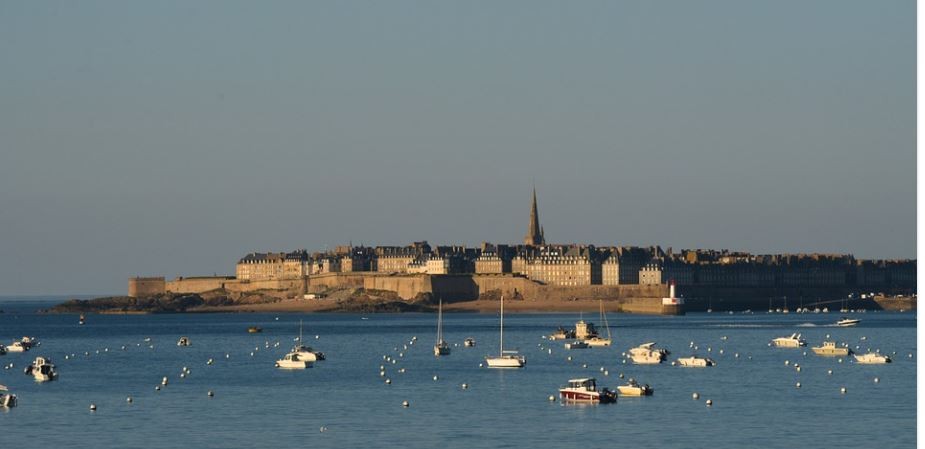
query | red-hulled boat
(585,390)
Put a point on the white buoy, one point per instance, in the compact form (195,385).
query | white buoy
(672,363)
(606,373)
(405,404)
(164,381)
(786,362)
(481,365)
(584,365)
(401,370)
(322,429)
(876,380)
(252,354)
(569,358)
(381,373)
(388,381)
(210,361)
(696,396)
(621,375)
(552,398)
(798,369)
(465,386)
(227,356)
(182,375)
(317,337)
(157,388)
(128,399)
(92,407)
(829,372)
(435,377)
(737,355)
(210,393)
(799,385)
(840,360)
(709,403)
(602,369)
(844,390)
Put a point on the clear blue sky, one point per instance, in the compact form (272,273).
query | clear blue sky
(172,137)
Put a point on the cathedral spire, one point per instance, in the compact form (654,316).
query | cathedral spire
(534,231)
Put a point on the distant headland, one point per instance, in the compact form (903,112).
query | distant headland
(537,275)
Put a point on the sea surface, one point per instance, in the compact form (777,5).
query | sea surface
(344,402)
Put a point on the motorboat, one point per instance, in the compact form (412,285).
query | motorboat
(184,341)
(872,358)
(577,344)
(469,342)
(42,370)
(505,359)
(17,346)
(562,334)
(793,341)
(647,358)
(696,362)
(441,347)
(292,360)
(648,354)
(7,399)
(306,353)
(829,349)
(585,390)
(254,330)
(847,322)
(633,388)
(585,330)
(28,342)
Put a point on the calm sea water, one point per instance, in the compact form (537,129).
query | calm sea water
(755,400)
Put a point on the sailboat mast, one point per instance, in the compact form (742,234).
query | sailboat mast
(440,323)
(300,332)
(502,325)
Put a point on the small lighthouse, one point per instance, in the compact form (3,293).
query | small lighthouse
(672,305)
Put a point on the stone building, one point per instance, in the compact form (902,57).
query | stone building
(396,259)
(563,265)
(265,266)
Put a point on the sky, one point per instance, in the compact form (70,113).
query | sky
(173,137)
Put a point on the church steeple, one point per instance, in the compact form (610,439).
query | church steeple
(534,231)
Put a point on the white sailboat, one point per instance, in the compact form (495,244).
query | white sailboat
(441,347)
(506,359)
(596,340)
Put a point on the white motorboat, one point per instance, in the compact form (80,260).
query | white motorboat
(17,346)
(42,370)
(829,349)
(585,390)
(793,341)
(28,342)
(872,358)
(306,353)
(7,399)
(562,334)
(847,322)
(597,340)
(184,341)
(633,388)
(647,358)
(648,354)
(584,330)
(696,362)
(577,344)
(505,359)
(469,342)
(441,347)
(293,361)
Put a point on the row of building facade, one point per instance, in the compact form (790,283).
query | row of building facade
(580,265)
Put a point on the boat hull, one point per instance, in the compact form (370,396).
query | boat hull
(626,390)
(592,397)
(831,352)
(695,362)
(505,362)
(598,342)
(292,364)
(787,343)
